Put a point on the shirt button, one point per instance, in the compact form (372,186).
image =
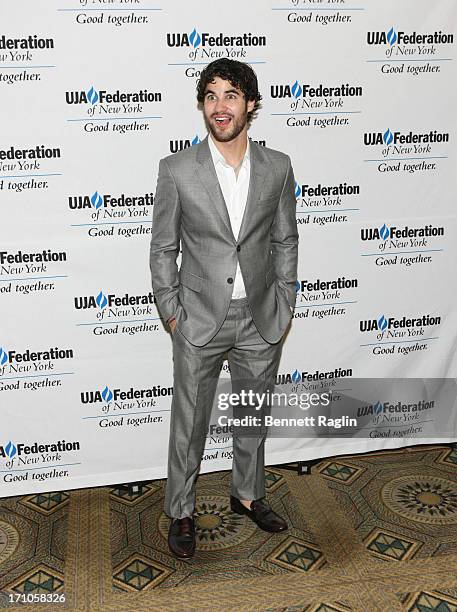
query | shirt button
(238,248)
(230,280)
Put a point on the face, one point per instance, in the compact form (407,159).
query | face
(225,110)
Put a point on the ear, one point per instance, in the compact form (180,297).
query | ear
(250,106)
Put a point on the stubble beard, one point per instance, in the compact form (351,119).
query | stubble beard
(237,127)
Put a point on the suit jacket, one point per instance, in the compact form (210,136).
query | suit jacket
(189,208)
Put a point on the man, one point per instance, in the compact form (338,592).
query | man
(231,205)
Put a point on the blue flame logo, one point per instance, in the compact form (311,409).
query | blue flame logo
(92,96)
(297,190)
(296,376)
(384,232)
(196,140)
(297,90)
(377,408)
(10,449)
(297,286)
(391,37)
(388,137)
(382,323)
(3,356)
(195,38)
(96,200)
(107,394)
(101,300)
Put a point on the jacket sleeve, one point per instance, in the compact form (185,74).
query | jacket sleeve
(284,238)
(165,242)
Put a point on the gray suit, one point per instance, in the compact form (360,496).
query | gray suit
(189,209)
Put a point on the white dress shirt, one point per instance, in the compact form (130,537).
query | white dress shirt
(235,192)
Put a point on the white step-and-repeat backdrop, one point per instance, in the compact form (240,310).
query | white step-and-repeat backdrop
(361,94)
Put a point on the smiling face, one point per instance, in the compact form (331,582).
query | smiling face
(225,110)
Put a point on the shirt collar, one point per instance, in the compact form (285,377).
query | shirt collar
(217,156)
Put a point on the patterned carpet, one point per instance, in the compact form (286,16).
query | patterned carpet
(367,533)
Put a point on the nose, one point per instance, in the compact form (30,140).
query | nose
(220,105)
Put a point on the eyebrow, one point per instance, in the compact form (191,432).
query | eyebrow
(235,91)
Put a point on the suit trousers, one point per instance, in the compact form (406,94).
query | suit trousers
(253,362)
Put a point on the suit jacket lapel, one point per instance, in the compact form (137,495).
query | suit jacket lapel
(208,176)
(256,181)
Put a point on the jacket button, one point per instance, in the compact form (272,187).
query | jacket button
(230,280)
(238,248)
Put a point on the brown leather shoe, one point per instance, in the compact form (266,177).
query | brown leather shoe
(261,513)
(181,537)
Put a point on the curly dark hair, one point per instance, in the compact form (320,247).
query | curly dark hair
(239,74)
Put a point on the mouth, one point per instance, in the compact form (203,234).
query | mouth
(222,120)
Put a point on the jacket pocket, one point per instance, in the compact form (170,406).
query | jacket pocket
(191,281)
